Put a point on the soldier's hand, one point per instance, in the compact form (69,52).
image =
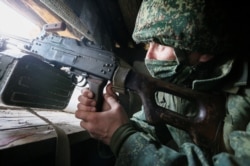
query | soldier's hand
(101,125)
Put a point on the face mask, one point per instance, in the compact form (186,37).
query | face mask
(171,71)
(161,69)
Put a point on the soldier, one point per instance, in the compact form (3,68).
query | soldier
(191,44)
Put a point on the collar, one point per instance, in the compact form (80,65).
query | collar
(222,72)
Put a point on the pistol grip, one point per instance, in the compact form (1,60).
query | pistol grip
(96,85)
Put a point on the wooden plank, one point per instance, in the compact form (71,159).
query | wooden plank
(19,126)
(18,118)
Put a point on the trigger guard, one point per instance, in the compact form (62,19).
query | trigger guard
(81,81)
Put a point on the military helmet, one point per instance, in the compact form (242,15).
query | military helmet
(191,25)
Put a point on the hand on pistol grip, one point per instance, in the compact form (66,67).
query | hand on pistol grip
(96,85)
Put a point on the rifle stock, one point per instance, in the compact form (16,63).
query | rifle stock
(205,127)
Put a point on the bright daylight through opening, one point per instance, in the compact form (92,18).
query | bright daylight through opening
(15,24)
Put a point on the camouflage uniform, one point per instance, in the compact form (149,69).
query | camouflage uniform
(183,25)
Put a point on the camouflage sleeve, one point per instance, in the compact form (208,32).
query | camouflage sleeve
(133,146)
(120,136)
(240,143)
(139,148)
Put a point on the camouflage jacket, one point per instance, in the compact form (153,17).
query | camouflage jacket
(138,143)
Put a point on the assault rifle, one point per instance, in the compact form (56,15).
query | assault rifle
(98,66)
